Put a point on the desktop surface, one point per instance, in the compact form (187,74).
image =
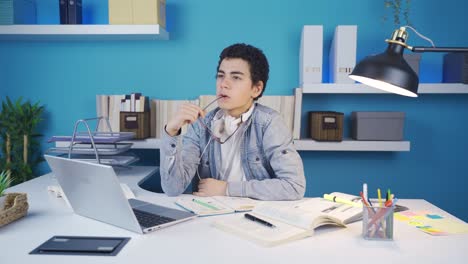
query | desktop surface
(196,241)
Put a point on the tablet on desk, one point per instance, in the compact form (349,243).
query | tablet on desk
(81,245)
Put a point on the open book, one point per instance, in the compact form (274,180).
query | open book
(357,200)
(290,222)
(205,206)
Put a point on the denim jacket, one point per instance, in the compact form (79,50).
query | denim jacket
(273,168)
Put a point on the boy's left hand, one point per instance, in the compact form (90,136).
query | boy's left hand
(211,187)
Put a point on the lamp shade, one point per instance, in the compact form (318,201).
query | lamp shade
(388,71)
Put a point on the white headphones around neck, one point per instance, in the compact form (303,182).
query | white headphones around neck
(225,126)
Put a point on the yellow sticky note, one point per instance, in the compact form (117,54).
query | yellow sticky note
(401,217)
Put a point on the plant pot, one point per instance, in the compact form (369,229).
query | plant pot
(2,201)
(413,60)
(14,207)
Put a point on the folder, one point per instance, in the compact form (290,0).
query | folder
(342,58)
(63,6)
(310,57)
(75,12)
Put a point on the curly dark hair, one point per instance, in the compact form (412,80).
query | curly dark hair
(257,61)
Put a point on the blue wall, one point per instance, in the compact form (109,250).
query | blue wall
(66,76)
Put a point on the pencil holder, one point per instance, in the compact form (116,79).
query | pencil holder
(377,222)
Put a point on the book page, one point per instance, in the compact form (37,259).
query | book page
(238,204)
(261,234)
(203,206)
(341,214)
(290,214)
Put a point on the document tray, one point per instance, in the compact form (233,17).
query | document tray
(87,149)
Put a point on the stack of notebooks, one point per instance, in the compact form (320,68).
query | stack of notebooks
(17,12)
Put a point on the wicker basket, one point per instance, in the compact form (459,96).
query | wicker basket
(14,207)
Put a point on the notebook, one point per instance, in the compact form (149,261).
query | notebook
(215,205)
(93,190)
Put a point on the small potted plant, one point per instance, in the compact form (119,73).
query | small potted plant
(20,150)
(401,17)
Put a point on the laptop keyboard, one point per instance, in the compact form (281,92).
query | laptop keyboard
(148,219)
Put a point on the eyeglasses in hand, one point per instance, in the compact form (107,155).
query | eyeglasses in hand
(213,136)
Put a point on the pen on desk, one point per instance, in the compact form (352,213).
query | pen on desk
(205,204)
(256,219)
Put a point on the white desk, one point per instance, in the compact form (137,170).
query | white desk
(196,241)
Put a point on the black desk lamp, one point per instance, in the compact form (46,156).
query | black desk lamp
(389,71)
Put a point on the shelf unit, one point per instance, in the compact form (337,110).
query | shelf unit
(356,88)
(300,144)
(82,32)
(352,145)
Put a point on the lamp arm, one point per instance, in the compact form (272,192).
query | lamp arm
(438,49)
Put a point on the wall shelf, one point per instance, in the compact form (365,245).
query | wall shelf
(351,145)
(356,88)
(301,145)
(82,32)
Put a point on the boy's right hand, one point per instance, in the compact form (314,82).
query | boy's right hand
(186,114)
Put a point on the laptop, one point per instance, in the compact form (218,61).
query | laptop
(93,190)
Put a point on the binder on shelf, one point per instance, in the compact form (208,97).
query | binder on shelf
(75,12)
(138,12)
(120,12)
(63,6)
(342,58)
(136,122)
(149,12)
(71,12)
(310,57)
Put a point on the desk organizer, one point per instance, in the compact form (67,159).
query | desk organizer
(91,145)
(15,206)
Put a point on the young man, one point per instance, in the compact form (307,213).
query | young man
(241,148)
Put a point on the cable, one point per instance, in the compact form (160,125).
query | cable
(201,155)
(421,35)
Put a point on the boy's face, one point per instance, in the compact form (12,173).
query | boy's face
(234,85)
